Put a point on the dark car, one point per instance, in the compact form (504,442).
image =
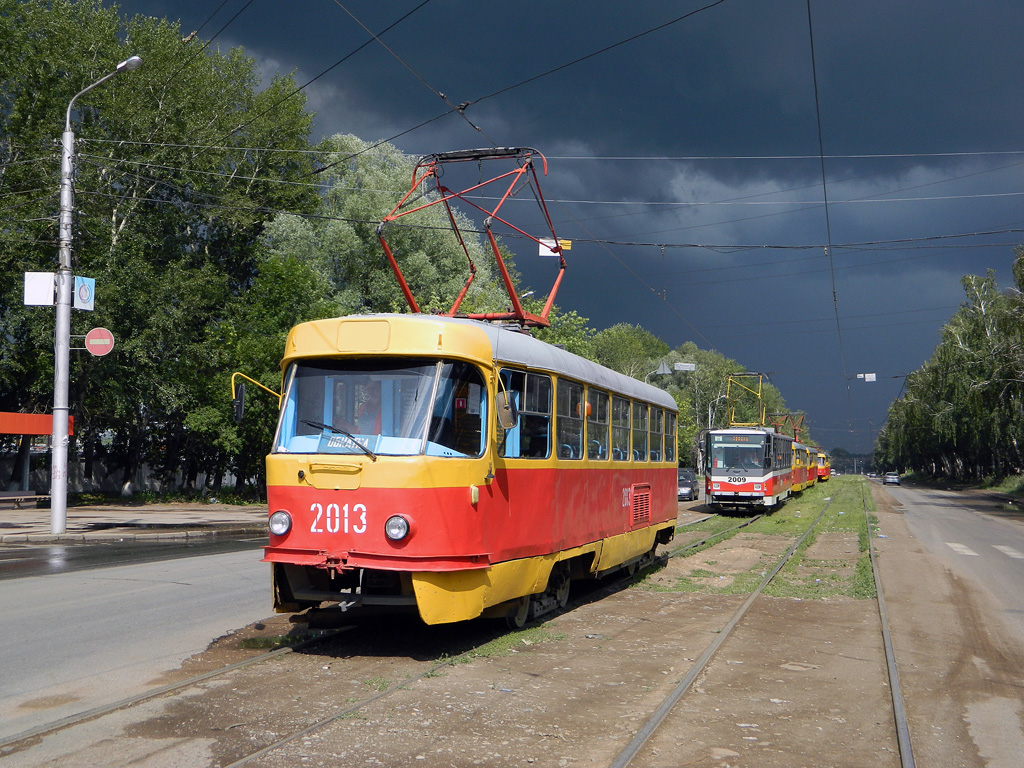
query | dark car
(688,488)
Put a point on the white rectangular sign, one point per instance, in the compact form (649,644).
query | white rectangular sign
(40,288)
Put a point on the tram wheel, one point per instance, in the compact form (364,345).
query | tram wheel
(517,619)
(562,587)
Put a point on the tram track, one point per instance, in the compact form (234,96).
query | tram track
(277,739)
(647,731)
(13,743)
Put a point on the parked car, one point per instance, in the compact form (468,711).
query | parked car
(891,478)
(688,488)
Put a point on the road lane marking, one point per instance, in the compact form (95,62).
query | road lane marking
(1009,551)
(960,549)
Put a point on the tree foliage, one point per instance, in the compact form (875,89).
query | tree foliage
(628,349)
(361,183)
(179,166)
(961,415)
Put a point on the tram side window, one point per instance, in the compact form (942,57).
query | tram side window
(657,420)
(670,437)
(597,424)
(570,419)
(620,428)
(460,410)
(531,392)
(639,432)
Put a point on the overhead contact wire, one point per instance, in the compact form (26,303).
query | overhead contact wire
(828,223)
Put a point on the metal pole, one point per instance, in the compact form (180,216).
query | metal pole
(62,330)
(62,343)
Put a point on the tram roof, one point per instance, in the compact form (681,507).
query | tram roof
(510,345)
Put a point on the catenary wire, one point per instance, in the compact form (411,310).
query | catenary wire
(828,224)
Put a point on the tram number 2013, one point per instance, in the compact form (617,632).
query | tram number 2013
(335,518)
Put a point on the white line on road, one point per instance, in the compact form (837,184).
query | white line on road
(960,549)
(1009,551)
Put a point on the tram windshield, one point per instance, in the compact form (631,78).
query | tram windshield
(383,407)
(735,453)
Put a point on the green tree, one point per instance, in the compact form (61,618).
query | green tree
(960,415)
(180,164)
(628,349)
(567,330)
(362,183)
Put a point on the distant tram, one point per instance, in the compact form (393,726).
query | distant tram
(824,465)
(456,468)
(805,467)
(748,467)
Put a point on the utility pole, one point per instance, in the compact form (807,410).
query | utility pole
(62,331)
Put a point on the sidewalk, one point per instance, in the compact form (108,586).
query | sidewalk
(132,521)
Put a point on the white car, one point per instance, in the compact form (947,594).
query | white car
(891,478)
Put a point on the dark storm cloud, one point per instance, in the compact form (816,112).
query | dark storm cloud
(735,82)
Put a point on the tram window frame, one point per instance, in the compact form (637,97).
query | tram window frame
(657,435)
(620,428)
(532,395)
(640,422)
(598,425)
(569,405)
(671,437)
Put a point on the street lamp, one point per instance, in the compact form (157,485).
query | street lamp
(711,403)
(62,332)
(663,369)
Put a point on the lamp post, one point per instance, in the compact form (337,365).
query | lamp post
(711,403)
(663,369)
(62,332)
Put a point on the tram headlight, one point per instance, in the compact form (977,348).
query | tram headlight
(280,523)
(396,528)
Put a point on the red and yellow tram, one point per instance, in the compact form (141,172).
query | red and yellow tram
(824,465)
(458,469)
(805,472)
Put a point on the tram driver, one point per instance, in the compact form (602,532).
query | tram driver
(750,460)
(363,415)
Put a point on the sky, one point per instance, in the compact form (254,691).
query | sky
(692,147)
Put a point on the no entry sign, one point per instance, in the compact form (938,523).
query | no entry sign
(99,342)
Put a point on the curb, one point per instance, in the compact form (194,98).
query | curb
(150,534)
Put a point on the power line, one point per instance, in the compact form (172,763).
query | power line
(638,158)
(206,45)
(721,247)
(464,105)
(867,156)
(598,52)
(280,101)
(639,203)
(828,224)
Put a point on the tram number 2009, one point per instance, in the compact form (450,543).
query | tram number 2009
(335,518)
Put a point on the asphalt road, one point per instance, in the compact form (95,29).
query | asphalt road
(969,535)
(79,639)
(20,560)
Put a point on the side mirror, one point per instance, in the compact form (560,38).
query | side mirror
(508,414)
(238,403)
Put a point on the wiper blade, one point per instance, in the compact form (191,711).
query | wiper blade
(340,431)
